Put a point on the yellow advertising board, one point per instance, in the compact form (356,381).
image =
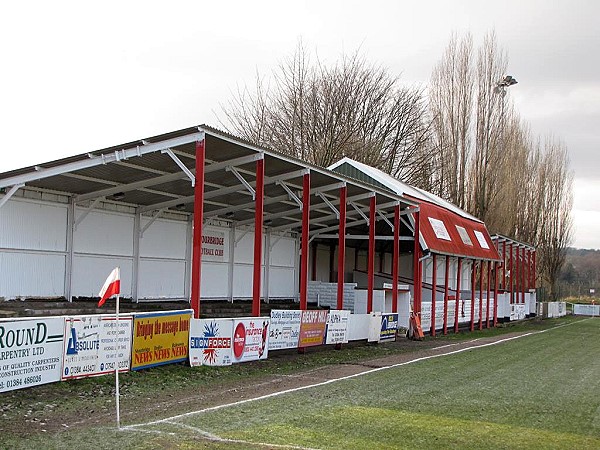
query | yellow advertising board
(160,338)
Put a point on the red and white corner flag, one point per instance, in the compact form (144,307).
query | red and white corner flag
(112,286)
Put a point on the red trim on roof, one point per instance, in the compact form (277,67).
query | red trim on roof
(454,246)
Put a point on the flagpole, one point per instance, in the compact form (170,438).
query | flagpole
(117,365)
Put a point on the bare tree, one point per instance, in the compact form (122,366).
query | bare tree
(451,104)
(322,113)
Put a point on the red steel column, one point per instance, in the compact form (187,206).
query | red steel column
(481,295)
(528,269)
(371,268)
(446,295)
(305,244)
(518,275)
(197,236)
(433,292)
(487,308)
(395,256)
(503,279)
(472,324)
(457,309)
(523,276)
(258,235)
(495,294)
(341,249)
(534,278)
(417,267)
(510,278)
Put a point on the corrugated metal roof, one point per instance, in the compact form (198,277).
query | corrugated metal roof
(445,228)
(398,187)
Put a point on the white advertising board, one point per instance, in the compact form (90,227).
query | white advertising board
(284,329)
(211,342)
(337,327)
(374,327)
(250,339)
(92,345)
(30,352)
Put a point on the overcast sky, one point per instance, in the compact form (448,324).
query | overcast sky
(77,76)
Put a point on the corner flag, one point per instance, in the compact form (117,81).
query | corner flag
(112,286)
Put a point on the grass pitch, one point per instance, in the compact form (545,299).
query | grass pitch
(537,391)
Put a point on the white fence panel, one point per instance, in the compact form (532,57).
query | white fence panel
(161,279)
(586,310)
(163,239)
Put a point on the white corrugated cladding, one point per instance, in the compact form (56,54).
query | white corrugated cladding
(32,249)
(33,255)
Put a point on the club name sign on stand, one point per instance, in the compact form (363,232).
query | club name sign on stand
(30,352)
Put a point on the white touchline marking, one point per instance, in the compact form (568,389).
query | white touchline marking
(214,437)
(334,380)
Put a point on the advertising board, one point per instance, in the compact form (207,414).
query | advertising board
(250,339)
(160,338)
(284,329)
(337,327)
(30,352)
(312,327)
(94,346)
(211,342)
(389,327)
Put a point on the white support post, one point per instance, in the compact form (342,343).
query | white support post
(69,249)
(137,236)
(267,266)
(232,244)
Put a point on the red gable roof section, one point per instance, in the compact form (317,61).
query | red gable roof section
(451,242)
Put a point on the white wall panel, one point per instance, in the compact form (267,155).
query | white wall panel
(163,239)
(244,250)
(213,283)
(33,225)
(281,282)
(32,275)
(161,279)
(90,272)
(242,281)
(322,263)
(104,233)
(283,252)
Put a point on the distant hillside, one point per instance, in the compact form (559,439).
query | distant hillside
(580,273)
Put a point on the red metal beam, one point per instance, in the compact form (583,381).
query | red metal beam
(523,276)
(433,293)
(371,268)
(518,275)
(511,290)
(395,257)
(481,295)
(457,309)
(472,324)
(305,244)
(495,294)
(341,248)
(258,235)
(534,278)
(504,263)
(446,294)
(489,281)
(197,231)
(417,267)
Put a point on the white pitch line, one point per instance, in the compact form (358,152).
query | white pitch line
(335,380)
(214,437)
